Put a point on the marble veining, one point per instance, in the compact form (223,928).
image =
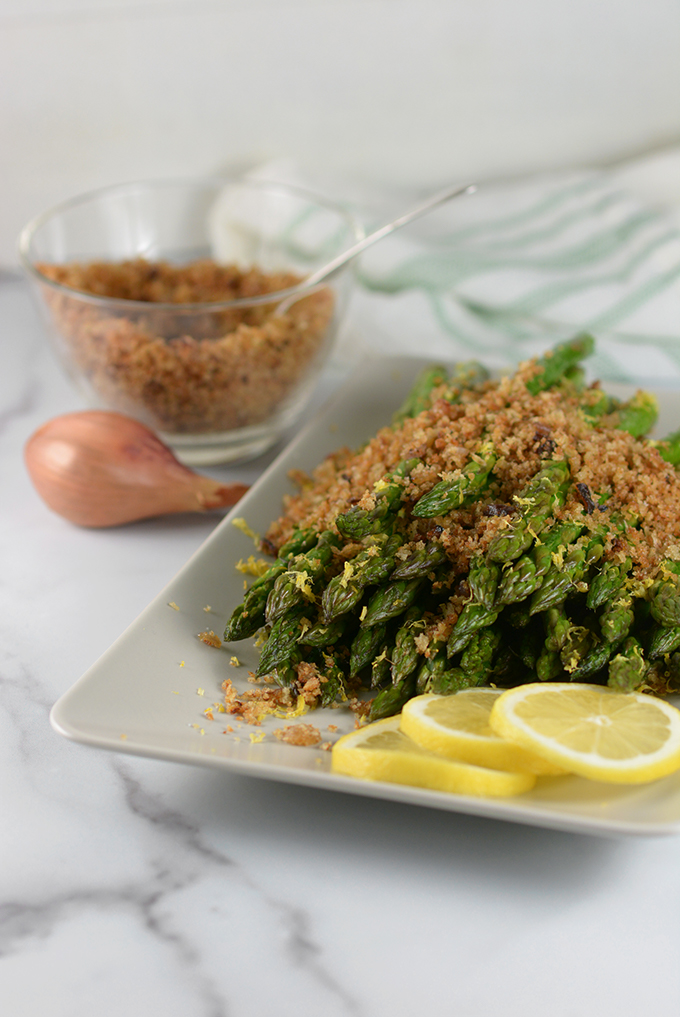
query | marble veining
(136,888)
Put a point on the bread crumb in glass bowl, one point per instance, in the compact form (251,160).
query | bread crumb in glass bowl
(150,322)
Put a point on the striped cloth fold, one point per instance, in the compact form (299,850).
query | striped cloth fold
(514,268)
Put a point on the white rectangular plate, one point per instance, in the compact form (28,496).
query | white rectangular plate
(142,696)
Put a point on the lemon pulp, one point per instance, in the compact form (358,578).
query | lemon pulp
(457,726)
(591,730)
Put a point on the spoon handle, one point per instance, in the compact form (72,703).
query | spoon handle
(435,199)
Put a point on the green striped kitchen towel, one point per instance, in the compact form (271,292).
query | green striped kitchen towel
(508,271)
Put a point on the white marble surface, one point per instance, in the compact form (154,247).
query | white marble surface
(135,888)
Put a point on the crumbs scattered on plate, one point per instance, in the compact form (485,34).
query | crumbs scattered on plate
(210,638)
(298,734)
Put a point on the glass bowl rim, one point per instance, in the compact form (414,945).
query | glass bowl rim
(28,232)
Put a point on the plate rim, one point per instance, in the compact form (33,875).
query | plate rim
(511,809)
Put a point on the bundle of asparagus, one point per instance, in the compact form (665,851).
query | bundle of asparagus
(496,532)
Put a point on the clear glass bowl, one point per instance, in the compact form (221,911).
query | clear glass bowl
(131,281)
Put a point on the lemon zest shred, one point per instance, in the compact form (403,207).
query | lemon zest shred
(298,710)
(252,566)
(558,557)
(347,574)
(242,525)
(304,584)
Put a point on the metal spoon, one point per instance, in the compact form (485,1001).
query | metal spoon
(328,270)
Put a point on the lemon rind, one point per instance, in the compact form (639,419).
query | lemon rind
(423,769)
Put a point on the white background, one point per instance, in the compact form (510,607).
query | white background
(407,92)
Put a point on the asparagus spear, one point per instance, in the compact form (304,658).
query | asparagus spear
(552,366)
(663,640)
(321,635)
(538,499)
(595,404)
(577,646)
(365,647)
(281,647)
(432,668)
(665,599)
(529,647)
(557,628)
(638,415)
(298,542)
(465,375)
(663,676)
(669,448)
(476,661)
(472,617)
(607,583)
(405,655)
(371,566)
(249,616)
(628,668)
(548,665)
(390,700)
(332,681)
(420,562)
(593,661)
(451,494)
(574,378)
(357,522)
(518,582)
(565,575)
(380,668)
(452,680)
(419,398)
(296,584)
(483,579)
(617,619)
(390,601)
(560,535)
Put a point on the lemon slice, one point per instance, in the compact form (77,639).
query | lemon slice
(381,751)
(457,726)
(592,730)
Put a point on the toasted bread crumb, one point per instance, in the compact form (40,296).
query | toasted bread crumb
(298,734)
